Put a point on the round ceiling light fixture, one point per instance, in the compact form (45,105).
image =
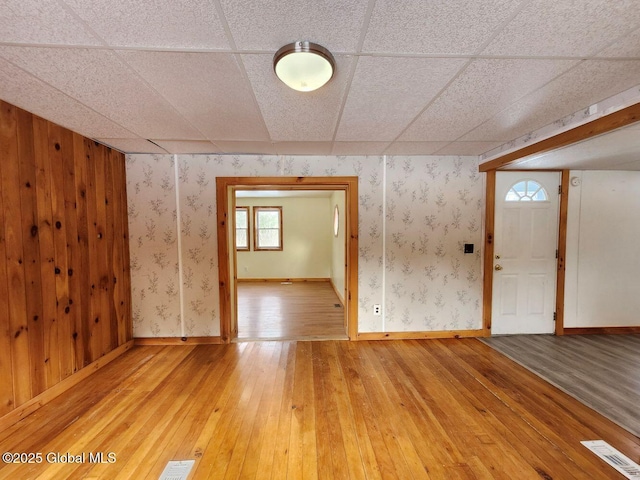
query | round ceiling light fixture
(304,66)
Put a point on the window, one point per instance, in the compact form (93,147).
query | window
(527,191)
(242,228)
(267,228)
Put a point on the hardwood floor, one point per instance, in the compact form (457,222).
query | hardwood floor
(601,371)
(438,409)
(299,310)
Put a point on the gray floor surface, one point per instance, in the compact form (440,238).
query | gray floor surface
(601,371)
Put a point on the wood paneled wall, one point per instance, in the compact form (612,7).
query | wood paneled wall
(65,295)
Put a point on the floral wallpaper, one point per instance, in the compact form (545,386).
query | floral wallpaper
(433,205)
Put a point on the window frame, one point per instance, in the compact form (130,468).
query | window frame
(256,229)
(526,198)
(235,238)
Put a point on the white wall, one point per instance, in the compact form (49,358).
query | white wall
(306,231)
(338,247)
(414,215)
(603,258)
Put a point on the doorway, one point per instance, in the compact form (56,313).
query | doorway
(290,264)
(525,252)
(227,261)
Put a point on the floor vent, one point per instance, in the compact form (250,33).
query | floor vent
(613,457)
(286,283)
(337,305)
(177,470)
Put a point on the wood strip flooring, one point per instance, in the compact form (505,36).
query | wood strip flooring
(421,409)
(601,371)
(295,311)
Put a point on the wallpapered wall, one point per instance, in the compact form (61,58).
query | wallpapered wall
(411,236)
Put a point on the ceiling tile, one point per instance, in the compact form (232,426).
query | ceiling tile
(43,22)
(100,80)
(208,89)
(270,24)
(303,148)
(567,27)
(246,147)
(486,87)
(296,116)
(179,146)
(162,23)
(386,94)
(627,46)
(436,26)
(414,148)
(467,148)
(131,145)
(598,79)
(27,92)
(359,148)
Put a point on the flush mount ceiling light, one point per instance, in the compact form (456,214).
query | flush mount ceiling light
(304,66)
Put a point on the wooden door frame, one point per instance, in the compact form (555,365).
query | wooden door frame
(490,217)
(226,184)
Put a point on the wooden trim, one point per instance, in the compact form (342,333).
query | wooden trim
(606,123)
(177,341)
(562,252)
(338,294)
(45,397)
(490,218)
(279,280)
(224,286)
(421,335)
(348,184)
(602,331)
(256,229)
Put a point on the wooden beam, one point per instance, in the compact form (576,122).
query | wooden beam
(604,124)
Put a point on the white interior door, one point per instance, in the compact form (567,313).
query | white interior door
(525,243)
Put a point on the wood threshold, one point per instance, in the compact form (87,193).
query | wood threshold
(45,397)
(421,335)
(606,123)
(602,330)
(177,341)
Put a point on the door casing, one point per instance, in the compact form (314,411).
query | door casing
(487,298)
(225,199)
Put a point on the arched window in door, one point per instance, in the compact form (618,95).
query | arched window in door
(527,191)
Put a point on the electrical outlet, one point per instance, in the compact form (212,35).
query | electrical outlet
(377,309)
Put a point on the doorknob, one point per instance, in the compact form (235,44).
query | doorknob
(497,257)
(498,267)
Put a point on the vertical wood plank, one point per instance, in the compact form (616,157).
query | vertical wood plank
(103,285)
(83,327)
(31,250)
(60,246)
(10,178)
(119,219)
(95,328)
(111,277)
(73,310)
(47,252)
(6,383)
(223,259)
(126,263)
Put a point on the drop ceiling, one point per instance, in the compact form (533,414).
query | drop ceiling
(446,77)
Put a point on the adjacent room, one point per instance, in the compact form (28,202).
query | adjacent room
(411,255)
